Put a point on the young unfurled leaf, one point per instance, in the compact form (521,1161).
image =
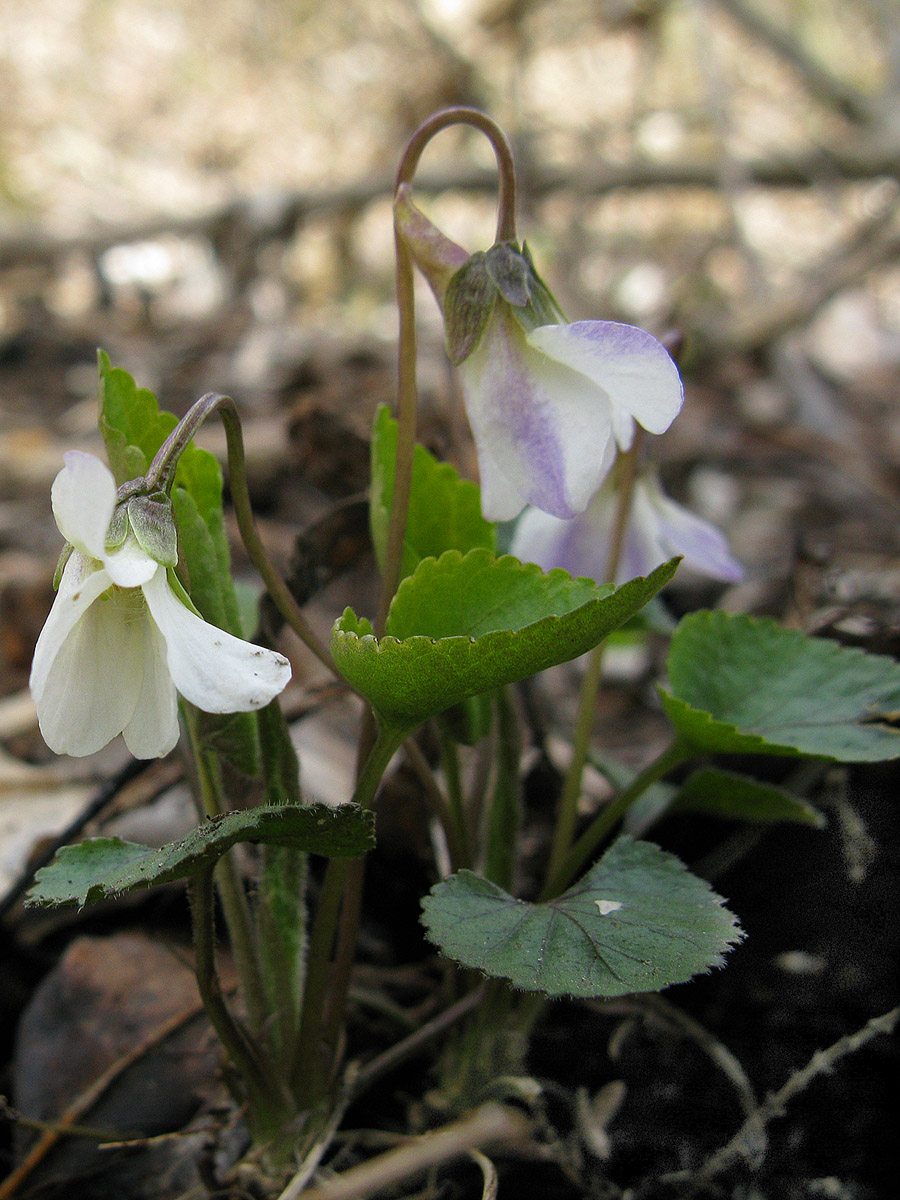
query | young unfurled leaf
(131,423)
(746,685)
(638,921)
(103,867)
(444,510)
(716,793)
(463,625)
(726,794)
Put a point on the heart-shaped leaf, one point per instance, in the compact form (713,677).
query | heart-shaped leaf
(463,625)
(103,867)
(638,921)
(444,510)
(746,685)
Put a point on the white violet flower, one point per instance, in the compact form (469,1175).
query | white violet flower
(657,529)
(119,642)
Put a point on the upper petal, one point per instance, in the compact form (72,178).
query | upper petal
(627,363)
(212,669)
(541,426)
(83,498)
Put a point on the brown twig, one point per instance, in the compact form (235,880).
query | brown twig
(487,1125)
(862,159)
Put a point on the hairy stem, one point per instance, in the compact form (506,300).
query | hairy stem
(230,888)
(461,115)
(407,392)
(236,1043)
(327,978)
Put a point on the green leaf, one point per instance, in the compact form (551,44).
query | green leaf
(637,922)
(131,423)
(205,562)
(746,685)
(735,797)
(102,867)
(444,510)
(712,792)
(462,625)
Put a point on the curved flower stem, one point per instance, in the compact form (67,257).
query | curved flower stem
(568,804)
(407,393)
(673,756)
(461,115)
(407,401)
(162,475)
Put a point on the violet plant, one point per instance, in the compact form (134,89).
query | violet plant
(145,585)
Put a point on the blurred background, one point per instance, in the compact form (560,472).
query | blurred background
(204,192)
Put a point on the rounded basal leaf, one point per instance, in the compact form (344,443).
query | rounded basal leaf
(746,685)
(462,625)
(637,922)
(444,510)
(102,867)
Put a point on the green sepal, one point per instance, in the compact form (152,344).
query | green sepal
(468,303)
(118,528)
(514,274)
(509,272)
(64,556)
(153,523)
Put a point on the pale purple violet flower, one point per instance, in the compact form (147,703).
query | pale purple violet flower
(657,529)
(547,401)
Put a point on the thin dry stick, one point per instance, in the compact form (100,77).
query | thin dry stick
(413,1044)
(488,1173)
(711,1047)
(91,1094)
(487,1125)
(752,1130)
